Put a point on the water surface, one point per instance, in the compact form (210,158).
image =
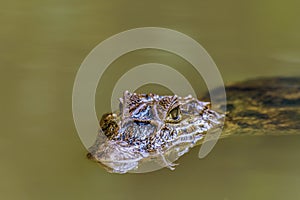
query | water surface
(42,46)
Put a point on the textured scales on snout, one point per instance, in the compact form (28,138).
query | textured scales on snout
(149,126)
(163,128)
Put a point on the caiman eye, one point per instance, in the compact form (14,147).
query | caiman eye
(174,114)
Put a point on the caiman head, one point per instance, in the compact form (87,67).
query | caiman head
(148,126)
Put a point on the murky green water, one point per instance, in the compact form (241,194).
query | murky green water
(42,46)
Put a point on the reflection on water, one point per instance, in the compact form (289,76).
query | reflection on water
(43,45)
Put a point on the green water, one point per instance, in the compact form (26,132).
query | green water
(42,46)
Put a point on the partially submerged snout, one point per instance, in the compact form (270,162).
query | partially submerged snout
(116,156)
(150,126)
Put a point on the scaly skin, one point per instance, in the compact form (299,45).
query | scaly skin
(163,128)
(265,106)
(151,127)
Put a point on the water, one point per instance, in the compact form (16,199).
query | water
(42,47)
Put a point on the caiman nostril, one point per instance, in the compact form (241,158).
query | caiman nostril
(90,156)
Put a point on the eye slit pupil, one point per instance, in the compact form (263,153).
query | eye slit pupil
(174,113)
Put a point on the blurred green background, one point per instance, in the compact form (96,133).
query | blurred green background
(42,46)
